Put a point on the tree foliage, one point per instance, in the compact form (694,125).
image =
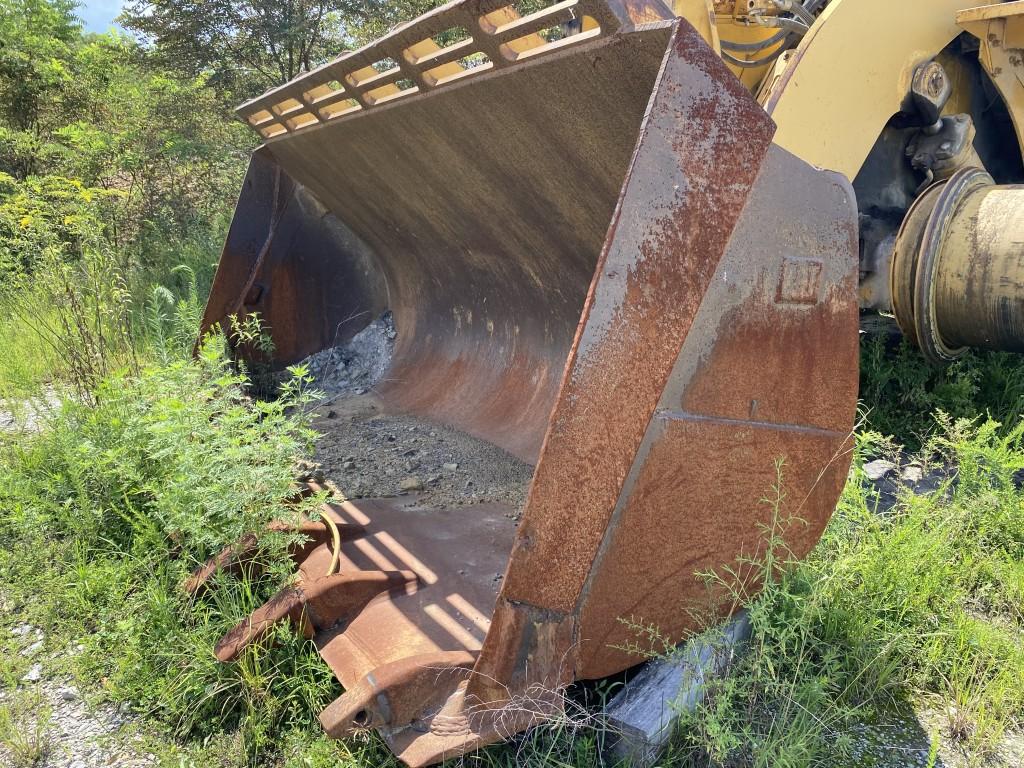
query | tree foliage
(248,46)
(120,159)
(101,143)
(36,38)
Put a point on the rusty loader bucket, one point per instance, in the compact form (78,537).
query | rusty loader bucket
(598,260)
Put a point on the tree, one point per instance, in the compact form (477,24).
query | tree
(163,140)
(36,40)
(100,143)
(248,46)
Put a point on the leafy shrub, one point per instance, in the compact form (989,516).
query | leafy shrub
(173,322)
(109,508)
(901,390)
(51,217)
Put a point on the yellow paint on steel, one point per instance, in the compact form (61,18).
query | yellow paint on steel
(962,79)
(701,15)
(425,48)
(1000,29)
(851,73)
(717,22)
(957,274)
(735,31)
(979,285)
(499,18)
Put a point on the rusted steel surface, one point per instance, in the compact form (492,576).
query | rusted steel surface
(482,207)
(318,603)
(602,249)
(458,555)
(767,373)
(313,283)
(234,558)
(698,154)
(415,595)
(407,63)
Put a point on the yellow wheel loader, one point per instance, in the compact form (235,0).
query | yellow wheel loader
(631,244)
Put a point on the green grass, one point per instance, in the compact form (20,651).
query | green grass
(112,505)
(901,391)
(922,604)
(109,507)
(25,363)
(24,720)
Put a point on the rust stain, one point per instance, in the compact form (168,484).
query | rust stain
(634,323)
(768,391)
(800,370)
(488,277)
(800,282)
(482,214)
(697,507)
(758,380)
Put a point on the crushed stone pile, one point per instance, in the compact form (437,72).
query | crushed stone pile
(369,452)
(354,368)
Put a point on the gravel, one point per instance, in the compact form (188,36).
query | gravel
(51,713)
(354,368)
(370,453)
(879,468)
(905,741)
(892,477)
(34,674)
(27,415)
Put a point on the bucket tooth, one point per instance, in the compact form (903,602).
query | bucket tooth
(285,605)
(234,557)
(313,606)
(397,694)
(230,560)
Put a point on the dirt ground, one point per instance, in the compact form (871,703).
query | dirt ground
(370,453)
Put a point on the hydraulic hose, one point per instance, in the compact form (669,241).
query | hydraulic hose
(778,37)
(799,26)
(753,63)
(780,22)
(797,9)
(335,544)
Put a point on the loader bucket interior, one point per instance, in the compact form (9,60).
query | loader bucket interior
(596,260)
(476,216)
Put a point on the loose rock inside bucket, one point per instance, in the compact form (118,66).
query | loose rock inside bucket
(370,452)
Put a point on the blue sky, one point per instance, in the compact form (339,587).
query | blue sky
(98,15)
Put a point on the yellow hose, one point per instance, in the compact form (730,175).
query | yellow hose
(335,543)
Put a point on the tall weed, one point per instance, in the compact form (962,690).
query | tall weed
(109,508)
(79,310)
(922,603)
